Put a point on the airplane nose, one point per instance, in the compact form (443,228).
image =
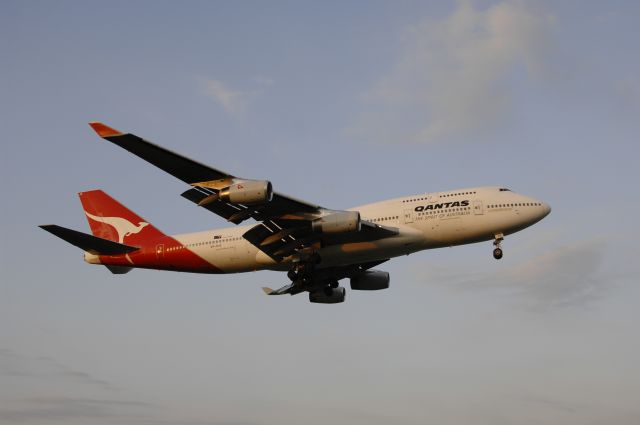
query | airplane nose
(546,208)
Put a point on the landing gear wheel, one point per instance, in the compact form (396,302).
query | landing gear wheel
(497,252)
(292,275)
(334,284)
(328,291)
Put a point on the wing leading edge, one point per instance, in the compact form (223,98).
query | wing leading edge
(206,180)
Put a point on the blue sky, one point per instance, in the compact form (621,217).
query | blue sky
(338,103)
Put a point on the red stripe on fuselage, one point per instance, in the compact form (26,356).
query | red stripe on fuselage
(160,254)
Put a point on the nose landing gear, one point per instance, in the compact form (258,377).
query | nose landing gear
(497,252)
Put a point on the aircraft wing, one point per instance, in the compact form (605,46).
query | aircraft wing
(280,239)
(279,205)
(286,222)
(204,179)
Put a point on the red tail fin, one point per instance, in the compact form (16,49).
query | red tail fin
(111,220)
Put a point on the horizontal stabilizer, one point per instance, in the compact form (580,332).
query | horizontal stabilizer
(287,289)
(89,243)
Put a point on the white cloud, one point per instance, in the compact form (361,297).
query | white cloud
(562,277)
(450,79)
(234,102)
(566,276)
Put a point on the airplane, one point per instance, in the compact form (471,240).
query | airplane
(316,246)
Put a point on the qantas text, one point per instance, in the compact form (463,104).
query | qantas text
(444,205)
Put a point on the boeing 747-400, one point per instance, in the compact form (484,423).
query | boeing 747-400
(316,246)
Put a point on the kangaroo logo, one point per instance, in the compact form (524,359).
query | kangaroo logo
(123,227)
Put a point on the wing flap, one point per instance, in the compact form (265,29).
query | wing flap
(280,206)
(282,238)
(275,241)
(368,232)
(234,213)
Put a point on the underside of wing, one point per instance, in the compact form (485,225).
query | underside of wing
(280,239)
(318,279)
(279,206)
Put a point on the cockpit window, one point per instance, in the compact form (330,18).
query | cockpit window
(504,189)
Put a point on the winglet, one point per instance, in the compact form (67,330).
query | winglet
(268,291)
(104,130)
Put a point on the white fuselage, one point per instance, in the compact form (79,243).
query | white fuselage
(430,220)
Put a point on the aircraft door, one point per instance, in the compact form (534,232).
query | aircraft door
(159,251)
(227,256)
(408,216)
(478,209)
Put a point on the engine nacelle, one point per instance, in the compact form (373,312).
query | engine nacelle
(371,280)
(338,222)
(248,192)
(337,296)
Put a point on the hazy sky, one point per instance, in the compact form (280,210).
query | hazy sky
(340,103)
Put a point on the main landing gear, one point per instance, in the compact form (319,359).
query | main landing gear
(497,252)
(292,275)
(303,275)
(302,271)
(329,287)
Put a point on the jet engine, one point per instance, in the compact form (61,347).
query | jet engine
(371,280)
(337,296)
(248,192)
(337,222)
